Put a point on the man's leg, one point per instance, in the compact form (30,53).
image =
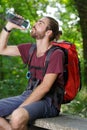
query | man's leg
(19,119)
(8,105)
(4,125)
(23,115)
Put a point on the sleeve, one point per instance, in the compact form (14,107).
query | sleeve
(24,51)
(56,63)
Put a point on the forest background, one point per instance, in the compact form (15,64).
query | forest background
(72,17)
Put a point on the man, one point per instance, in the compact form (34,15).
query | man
(38,102)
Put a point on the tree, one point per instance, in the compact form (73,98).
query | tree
(81,6)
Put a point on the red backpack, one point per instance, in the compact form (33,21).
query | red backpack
(73,82)
(72,73)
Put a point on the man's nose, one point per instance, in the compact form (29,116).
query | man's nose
(36,24)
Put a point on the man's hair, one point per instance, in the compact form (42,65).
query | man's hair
(54,26)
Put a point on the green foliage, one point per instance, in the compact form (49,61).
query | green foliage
(78,106)
(14,81)
(10,87)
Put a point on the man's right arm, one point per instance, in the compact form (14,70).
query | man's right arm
(4,48)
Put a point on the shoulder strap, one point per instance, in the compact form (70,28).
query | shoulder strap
(47,59)
(31,51)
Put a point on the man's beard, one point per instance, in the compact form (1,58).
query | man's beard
(37,35)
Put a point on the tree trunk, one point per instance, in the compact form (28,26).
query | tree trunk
(82,11)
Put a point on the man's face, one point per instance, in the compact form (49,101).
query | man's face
(39,29)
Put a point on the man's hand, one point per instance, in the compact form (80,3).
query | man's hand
(11,26)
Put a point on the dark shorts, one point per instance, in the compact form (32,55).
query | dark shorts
(40,109)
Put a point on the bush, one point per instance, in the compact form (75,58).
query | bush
(78,106)
(11,88)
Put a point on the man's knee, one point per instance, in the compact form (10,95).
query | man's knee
(19,118)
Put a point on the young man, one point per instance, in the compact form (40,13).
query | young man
(38,102)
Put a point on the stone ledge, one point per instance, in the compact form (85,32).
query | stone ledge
(62,122)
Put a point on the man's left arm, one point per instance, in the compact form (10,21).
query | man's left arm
(41,90)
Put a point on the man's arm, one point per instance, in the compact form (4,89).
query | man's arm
(41,89)
(4,48)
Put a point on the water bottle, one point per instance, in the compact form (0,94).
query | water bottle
(14,18)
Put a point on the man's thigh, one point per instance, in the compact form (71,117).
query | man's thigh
(41,109)
(8,105)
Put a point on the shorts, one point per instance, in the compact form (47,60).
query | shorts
(40,109)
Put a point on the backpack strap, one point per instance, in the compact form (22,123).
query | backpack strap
(47,59)
(31,51)
(49,52)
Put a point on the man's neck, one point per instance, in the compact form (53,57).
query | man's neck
(42,47)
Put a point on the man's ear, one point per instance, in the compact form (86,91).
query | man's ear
(49,33)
